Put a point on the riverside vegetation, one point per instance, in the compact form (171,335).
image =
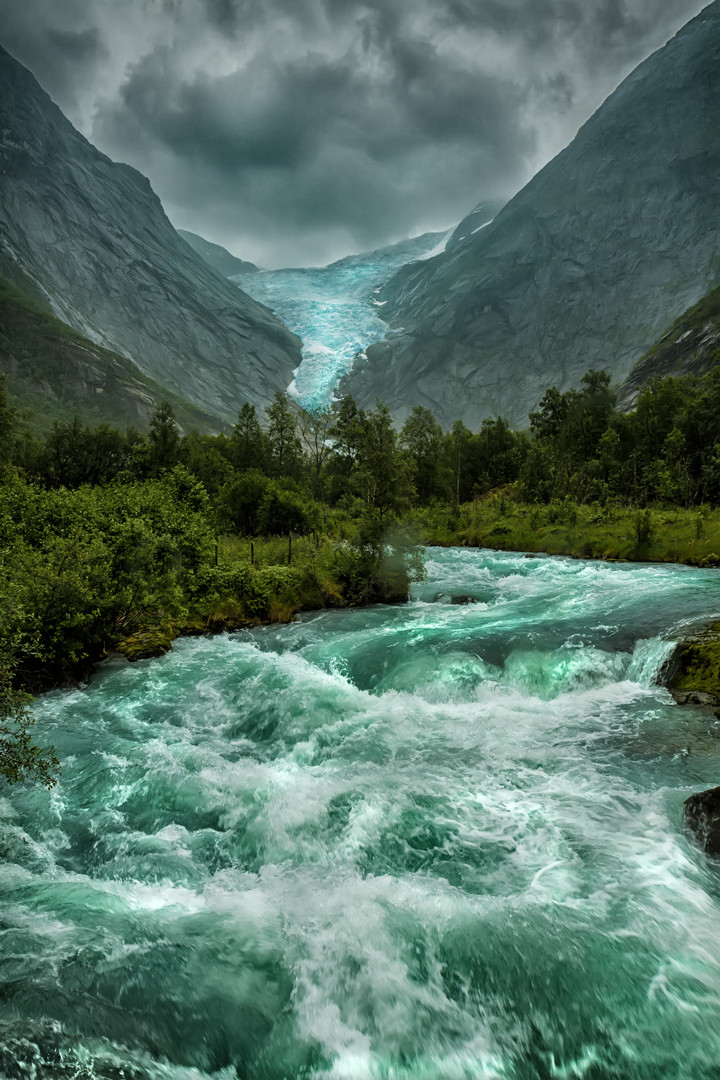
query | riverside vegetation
(118,540)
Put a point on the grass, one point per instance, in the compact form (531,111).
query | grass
(586,532)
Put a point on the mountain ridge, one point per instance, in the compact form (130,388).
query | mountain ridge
(585,266)
(93,237)
(217,256)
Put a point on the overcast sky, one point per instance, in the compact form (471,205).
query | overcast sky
(296,131)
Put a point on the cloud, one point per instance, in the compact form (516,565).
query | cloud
(298,130)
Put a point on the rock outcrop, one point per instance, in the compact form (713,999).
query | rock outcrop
(585,267)
(690,347)
(94,239)
(702,818)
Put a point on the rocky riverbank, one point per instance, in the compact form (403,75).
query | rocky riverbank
(692,675)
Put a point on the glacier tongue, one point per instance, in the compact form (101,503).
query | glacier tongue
(333,310)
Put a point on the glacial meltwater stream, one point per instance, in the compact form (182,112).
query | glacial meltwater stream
(437,841)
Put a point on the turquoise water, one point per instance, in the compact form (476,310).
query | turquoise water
(334,310)
(436,841)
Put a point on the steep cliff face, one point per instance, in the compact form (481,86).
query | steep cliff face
(216,256)
(93,237)
(609,243)
(58,373)
(690,347)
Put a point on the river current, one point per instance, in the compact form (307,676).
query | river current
(441,841)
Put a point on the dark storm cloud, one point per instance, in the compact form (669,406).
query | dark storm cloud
(296,130)
(78,46)
(62,47)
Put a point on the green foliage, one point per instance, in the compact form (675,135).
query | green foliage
(643,528)
(422,436)
(286,513)
(163,440)
(240,501)
(283,441)
(247,447)
(381,476)
(89,566)
(74,454)
(20,758)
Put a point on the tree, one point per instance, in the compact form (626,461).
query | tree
(75,454)
(316,427)
(283,441)
(203,455)
(345,433)
(246,445)
(287,513)
(240,501)
(382,474)
(163,439)
(458,446)
(422,438)
(8,420)
(20,758)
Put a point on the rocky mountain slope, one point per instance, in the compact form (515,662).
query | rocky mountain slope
(216,256)
(57,373)
(93,237)
(613,239)
(690,347)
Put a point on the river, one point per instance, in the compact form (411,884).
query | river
(441,841)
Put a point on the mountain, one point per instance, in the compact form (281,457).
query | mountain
(690,347)
(611,241)
(93,238)
(57,373)
(216,256)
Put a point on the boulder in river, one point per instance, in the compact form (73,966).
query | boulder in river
(702,818)
(692,674)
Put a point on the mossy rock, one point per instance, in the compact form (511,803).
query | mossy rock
(692,674)
(145,644)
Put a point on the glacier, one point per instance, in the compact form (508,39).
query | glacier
(333,309)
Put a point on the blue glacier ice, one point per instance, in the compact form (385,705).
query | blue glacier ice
(333,309)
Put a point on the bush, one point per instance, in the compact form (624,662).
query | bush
(642,528)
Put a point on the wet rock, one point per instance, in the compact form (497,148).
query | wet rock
(454,598)
(692,673)
(696,697)
(146,644)
(702,818)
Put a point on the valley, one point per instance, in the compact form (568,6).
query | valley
(359,622)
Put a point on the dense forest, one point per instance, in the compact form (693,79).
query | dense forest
(120,540)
